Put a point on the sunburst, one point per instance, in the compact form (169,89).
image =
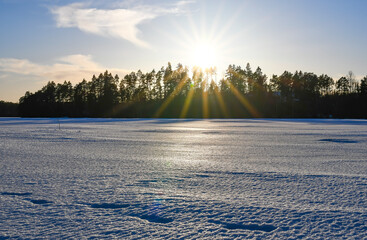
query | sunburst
(208,48)
(204,55)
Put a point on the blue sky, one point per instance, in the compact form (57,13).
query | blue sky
(43,40)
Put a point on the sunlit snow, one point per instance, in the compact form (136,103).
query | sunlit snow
(182,179)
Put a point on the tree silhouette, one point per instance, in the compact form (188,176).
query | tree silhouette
(364,86)
(175,93)
(343,85)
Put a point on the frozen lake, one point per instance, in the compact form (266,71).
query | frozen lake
(183,179)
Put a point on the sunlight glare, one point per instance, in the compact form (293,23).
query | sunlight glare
(204,55)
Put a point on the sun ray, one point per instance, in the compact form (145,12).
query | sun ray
(205,104)
(171,97)
(222,105)
(243,101)
(222,32)
(216,21)
(187,102)
(119,108)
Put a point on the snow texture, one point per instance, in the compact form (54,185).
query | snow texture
(183,179)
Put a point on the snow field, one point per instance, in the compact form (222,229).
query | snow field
(183,179)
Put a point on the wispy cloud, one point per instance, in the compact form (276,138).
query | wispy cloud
(119,23)
(20,75)
(71,68)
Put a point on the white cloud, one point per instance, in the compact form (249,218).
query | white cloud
(71,68)
(120,23)
(20,75)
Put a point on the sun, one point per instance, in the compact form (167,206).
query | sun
(204,55)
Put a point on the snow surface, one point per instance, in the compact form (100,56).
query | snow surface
(183,179)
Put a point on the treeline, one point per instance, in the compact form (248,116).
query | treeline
(179,93)
(8,109)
